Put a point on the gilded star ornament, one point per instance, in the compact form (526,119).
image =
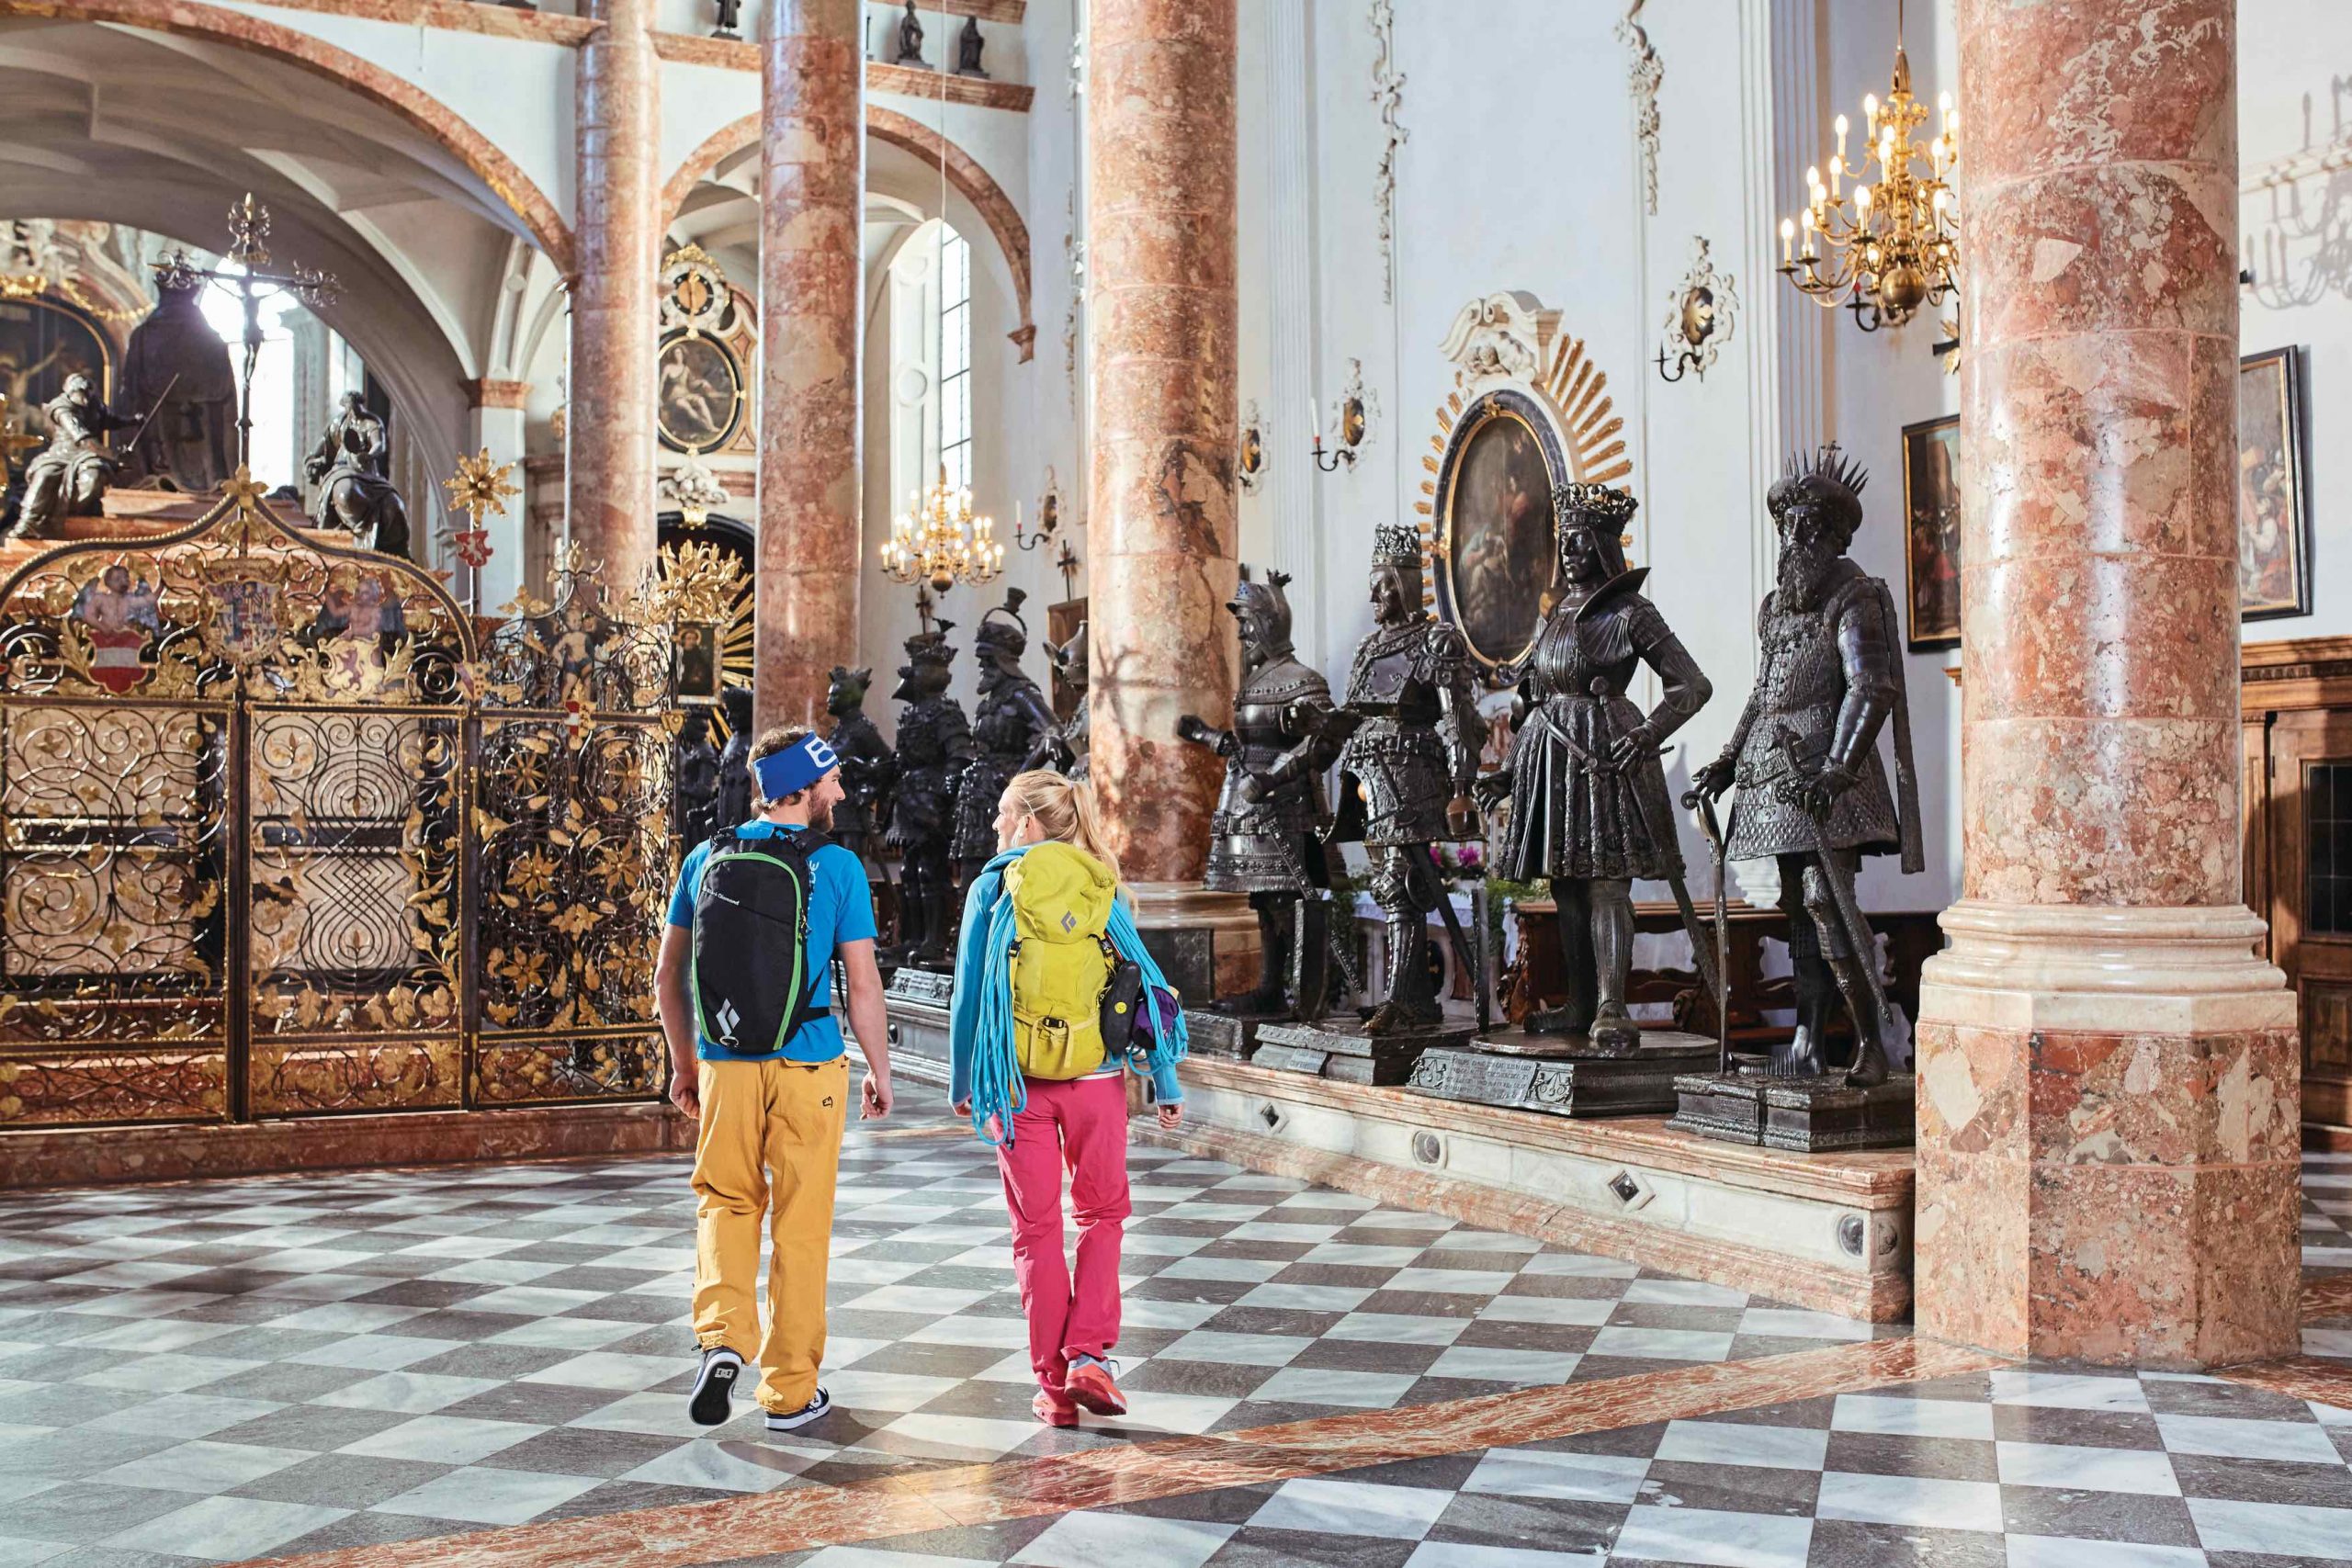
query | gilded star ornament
(479,487)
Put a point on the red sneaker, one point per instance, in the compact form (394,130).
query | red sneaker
(1090,1385)
(1053,1409)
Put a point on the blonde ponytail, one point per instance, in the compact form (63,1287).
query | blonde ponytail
(1065,810)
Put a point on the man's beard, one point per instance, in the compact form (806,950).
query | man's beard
(821,817)
(1804,571)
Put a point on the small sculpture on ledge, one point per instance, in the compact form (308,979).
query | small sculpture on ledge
(1406,771)
(1265,838)
(867,765)
(348,467)
(1589,811)
(911,40)
(968,44)
(1013,727)
(935,744)
(730,12)
(71,475)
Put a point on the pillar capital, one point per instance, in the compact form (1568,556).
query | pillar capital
(483,392)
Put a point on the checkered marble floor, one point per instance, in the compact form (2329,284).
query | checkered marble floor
(219,1371)
(2008,1469)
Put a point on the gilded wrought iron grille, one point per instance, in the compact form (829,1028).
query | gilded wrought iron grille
(277,840)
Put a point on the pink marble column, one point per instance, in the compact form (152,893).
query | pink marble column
(615,298)
(2107,1075)
(812,183)
(1163,316)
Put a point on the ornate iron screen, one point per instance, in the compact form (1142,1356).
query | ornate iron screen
(284,832)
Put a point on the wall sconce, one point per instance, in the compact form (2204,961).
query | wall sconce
(1699,318)
(1351,415)
(1249,460)
(1049,514)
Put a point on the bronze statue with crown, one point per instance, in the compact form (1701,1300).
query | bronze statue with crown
(1012,725)
(1409,734)
(1813,794)
(935,745)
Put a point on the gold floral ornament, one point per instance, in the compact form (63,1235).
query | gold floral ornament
(479,488)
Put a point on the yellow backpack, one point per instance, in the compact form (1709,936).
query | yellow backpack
(1062,958)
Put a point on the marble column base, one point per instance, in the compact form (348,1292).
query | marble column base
(2108,1143)
(1206,944)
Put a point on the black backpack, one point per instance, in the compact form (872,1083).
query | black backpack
(750,911)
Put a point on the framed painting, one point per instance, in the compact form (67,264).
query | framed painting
(2274,512)
(1497,563)
(43,342)
(695,669)
(699,397)
(1931,533)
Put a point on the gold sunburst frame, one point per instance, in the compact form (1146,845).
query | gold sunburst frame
(1513,362)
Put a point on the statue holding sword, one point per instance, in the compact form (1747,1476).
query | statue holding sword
(1812,791)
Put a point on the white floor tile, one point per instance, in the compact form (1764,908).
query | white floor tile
(1912,1417)
(226,1529)
(1330,1506)
(1332,1386)
(2147,1473)
(1735,1443)
(2068,1552)
(1715,1538)
(1486,1363)
(443,1440)
(1661,1344)
(2278,1529)
(1569,1477)
(2068,1390)
(2230,1437)
(1088,1541)
(489,1496)
(1909,1500)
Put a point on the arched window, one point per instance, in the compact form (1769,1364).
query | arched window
(931,361)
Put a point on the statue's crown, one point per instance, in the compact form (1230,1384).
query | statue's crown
(1613,507)
(1397,544)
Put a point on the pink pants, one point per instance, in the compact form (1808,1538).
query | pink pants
(1082,1123)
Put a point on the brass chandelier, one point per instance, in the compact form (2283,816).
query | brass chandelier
(1890,245)
(938,540)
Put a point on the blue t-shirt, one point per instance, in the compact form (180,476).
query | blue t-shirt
(840,909)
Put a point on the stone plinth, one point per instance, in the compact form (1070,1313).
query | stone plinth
(1214,1035)
(916,1003)
(812,200)
(1550,1073)
(1339,1048)
(1807,1115)
(2107,1075)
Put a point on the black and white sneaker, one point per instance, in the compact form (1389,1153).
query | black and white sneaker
(713,1385)
(816,1409)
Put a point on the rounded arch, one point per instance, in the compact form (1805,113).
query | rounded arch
(964,172)
(426,114)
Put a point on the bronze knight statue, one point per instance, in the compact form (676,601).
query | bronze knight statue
(1013,725)
(1406,769)
(355,493)
(1813,793)
(734,807)
(1589,812)
(70,476)
(867,765)
(1266,837)
(178,366)
(935,744)
(1072,740)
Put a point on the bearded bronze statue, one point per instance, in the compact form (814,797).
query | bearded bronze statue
(1589,812)
(1406,771)
(1265,838)
(1812,791)
(935,744)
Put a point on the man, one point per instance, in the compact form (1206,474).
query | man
(770,1089)
(1812,791)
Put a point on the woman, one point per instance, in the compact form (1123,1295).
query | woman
(1588,807)
(1043,925)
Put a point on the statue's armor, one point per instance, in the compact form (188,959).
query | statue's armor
(1013,720)
(695,792)
(1570,817)
(934,741)
(1412,754)
(865,760)
(1264,846)
(1829,674)
(735,780)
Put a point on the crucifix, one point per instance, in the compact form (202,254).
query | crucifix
(249,253)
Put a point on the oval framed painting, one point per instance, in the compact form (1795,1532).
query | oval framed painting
(1497,564)
(699,398)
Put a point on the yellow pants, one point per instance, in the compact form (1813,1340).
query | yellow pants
(771,1138)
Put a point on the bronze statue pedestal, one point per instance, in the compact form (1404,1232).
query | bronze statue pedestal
(1339,1048)
(1563,1075)
(1217,1034)
(915,1002)
(1807,1115)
